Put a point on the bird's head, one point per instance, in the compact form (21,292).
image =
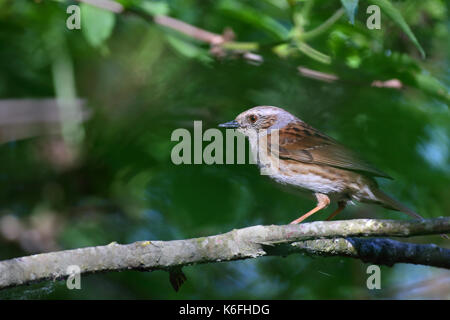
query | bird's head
(260,118)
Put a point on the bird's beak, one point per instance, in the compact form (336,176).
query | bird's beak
(230,124)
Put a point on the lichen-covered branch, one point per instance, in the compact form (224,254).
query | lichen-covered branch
(329,238)
(377,251)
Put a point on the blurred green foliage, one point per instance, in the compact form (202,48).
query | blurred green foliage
(141,81)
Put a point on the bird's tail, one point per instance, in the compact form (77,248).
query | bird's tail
(390,203)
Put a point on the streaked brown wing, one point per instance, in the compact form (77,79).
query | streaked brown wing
(303,143)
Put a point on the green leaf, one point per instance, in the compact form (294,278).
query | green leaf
(155,8)
(254,17)
(431,85)
(188,49)
(350,6)
(127,3)
(96,24)
(397,17)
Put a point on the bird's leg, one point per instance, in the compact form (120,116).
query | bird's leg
(341,206)
(322,202)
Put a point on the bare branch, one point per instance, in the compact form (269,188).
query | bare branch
(393,84)
(26,118)
(246,243)
(314,74)
(189,30)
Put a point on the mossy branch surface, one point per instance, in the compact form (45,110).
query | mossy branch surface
(323,238)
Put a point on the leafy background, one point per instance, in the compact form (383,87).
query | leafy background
(69,184)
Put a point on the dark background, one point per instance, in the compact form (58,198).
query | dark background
(109,177)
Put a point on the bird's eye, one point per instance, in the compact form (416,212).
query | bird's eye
(252,118)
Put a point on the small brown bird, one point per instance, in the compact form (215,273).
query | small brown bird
(312,162)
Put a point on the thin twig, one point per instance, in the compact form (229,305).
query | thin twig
(219,42)
(324,26)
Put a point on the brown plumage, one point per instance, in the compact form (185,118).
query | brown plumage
(302,143)
(310,161)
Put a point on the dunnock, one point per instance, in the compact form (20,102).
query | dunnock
(312,162)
